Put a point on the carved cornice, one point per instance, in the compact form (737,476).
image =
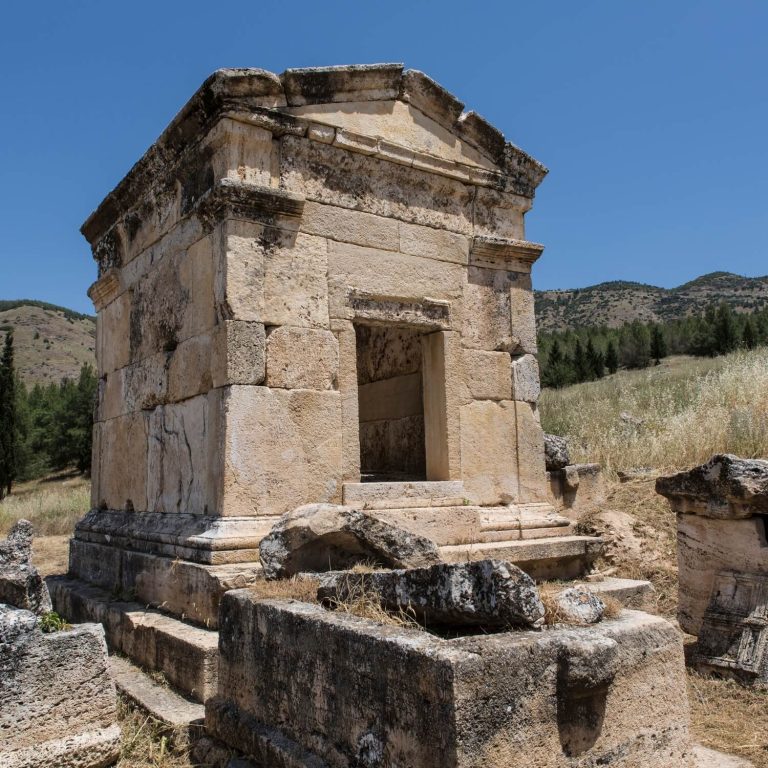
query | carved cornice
(501,253)
(105,289)
(241,200)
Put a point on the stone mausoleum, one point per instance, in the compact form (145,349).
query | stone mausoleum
(314,287)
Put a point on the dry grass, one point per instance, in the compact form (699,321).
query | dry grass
(53,504)
(730,718)
(553,613)
(690,409)
(304,589)
(146,741)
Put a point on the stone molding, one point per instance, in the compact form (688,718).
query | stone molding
(388,309)
(256,96)
(242,200)
(507,254)
(105,289)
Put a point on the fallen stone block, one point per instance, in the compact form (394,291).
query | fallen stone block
(579,605)
(299,682)
(556,453)
(486,593)
(58,701)
(21,586)
(323,537)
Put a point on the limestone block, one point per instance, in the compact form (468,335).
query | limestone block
(144,384)
(321,537)
(241,152)
(579,605)
(487,375)
(612,693)
(272,276)
(190,368)
(525,379)
(59,702)
(282,449)
(20,584)
(348,226)
(383,273)
(238,353)
(483,593)
(302,358)
(347,385)
(113,334)
(489,452)
(531,468)
(331,175)
(123,462)
(433,243)
(500,214)
(556,451)
(182,459)
(523,315)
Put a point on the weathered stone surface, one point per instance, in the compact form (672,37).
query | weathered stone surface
(321,537)
(579,605)
(726,487)
(21,586)
(733,639)
(58,700)
(611,694)
(525,378)
(302,358)
(484,593)
(487,374)
(556,452)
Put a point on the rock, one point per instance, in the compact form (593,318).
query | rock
(725,487)
(632,421)
(580,605)
(59,705)
(487,593)
(556,452)
(322,537)
(21,586)
(588,661)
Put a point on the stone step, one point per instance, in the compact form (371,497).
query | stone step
(631,593)
(183,718)
(545,559)
(440,493)
(185,654)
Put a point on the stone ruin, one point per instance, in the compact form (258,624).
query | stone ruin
(316,334)
(57,699)
(573,488)
(722,514)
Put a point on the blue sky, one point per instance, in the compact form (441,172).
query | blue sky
(652,116)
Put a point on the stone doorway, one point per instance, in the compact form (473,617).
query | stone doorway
(390,389)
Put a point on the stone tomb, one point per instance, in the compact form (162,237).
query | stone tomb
(314,287)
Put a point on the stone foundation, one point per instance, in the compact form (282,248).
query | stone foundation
(309,687)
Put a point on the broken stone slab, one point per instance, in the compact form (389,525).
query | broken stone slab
(726,487)
(59,705)
(580,605)
(483,593)
(556,452)
(21,586)
(323,537)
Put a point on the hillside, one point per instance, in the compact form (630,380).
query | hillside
(50,342)
(616,303)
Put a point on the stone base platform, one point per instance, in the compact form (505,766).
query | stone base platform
(185,654)
(301,686)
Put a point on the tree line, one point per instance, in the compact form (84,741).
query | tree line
(587,354)
(46,428)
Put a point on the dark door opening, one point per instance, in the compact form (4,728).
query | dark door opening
(390,403)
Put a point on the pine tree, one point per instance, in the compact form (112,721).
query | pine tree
(724,330)
(658,344)
(749,335)
(580,367)
(595,361)
(557,372)
(611,358)
(8,428)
